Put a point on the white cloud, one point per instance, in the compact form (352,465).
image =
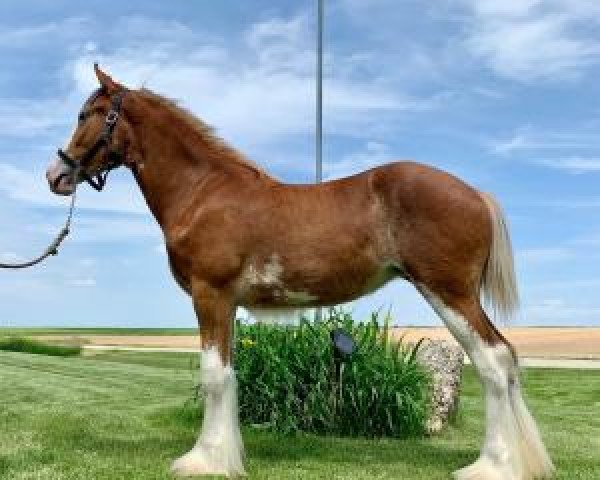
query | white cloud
(30,187)
(507,8)
(374,153)
(105,229)
(518,142)
(259,92)
(574,165)
(531,39)
(570,203)
(24,36)
(544,254)
(85,282)
(557,310)
(87,262)
(528,138)
(549,144)
(592,202)
(565,285)
(30,118)
(588,240)
(282,44)
(10,257)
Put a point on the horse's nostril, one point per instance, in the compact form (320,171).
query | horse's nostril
(56,182)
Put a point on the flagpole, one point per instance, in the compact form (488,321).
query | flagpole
(319,105)
(319,111)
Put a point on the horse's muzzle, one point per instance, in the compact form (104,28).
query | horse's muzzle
(60,180)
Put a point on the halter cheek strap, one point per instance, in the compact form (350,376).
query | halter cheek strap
(114,158)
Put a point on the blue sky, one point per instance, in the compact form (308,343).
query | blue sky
(503,94)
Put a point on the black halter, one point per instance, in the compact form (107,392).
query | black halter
(114,158)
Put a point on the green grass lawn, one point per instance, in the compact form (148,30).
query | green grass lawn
(121,415)
(31,331)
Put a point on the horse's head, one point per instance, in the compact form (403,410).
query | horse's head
(101,140)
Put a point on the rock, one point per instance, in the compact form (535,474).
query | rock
(445,361)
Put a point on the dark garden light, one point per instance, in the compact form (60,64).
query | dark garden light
(343,348)
(343,344)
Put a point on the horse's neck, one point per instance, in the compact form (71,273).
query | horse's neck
(176,167)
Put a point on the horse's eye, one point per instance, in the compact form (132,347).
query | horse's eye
(81,117)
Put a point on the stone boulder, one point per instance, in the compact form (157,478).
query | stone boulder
(445,361)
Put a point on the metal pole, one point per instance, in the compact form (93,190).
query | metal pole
(319,109)
(319,132)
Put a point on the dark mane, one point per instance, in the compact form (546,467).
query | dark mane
(206,133)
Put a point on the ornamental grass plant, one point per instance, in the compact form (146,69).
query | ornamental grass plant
(28,345)
(289,380)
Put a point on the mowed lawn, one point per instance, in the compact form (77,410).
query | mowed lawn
(123,416)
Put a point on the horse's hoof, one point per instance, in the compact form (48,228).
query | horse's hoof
(201,461)
(485,469)
(196,462)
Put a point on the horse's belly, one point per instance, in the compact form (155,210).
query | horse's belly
(277,296)
(272,286)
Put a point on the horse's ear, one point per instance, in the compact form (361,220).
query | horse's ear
(105,81)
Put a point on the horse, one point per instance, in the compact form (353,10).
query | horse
(236,236)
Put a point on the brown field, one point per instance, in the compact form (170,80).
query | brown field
(549,342)
(532,342)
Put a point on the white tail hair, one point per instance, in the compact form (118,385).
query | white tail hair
(498,283)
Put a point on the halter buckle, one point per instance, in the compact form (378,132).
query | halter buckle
(111,117)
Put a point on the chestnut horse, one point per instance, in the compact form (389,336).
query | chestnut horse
(236,236)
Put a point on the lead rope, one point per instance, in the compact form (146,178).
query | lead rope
(53,247)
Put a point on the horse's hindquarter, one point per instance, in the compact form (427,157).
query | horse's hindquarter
(442,227)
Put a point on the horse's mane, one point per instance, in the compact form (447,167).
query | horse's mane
(216,145)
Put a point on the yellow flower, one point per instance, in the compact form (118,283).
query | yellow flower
(248,342)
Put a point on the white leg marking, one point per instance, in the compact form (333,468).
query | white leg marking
(536,461)
(512,449)
(219,449)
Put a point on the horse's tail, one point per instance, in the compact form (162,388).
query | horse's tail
(498,282)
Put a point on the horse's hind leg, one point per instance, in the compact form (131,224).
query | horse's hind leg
(512,449)
(536,461)
(219,449)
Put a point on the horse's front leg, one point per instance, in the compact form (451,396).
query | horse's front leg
(219,449)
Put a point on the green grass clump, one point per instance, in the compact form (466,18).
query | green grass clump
(288,381)
(27,345)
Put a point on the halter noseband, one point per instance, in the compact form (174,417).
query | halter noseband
(114,158)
